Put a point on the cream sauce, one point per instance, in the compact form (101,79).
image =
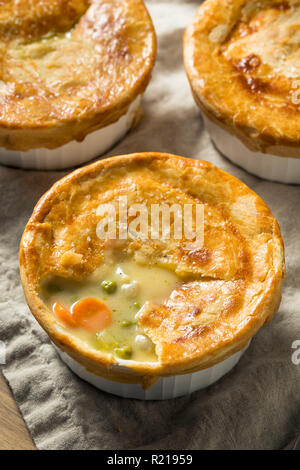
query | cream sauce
(136,287)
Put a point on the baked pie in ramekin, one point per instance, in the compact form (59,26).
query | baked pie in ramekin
(155,316)
(72,77)
(242,58)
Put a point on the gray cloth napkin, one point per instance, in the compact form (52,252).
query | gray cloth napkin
(254,406)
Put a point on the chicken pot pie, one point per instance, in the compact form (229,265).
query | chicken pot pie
(242,58)
(131,308)
(72,76)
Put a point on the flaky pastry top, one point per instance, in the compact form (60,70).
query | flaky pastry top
(242,58)
(230,286)
(69,67)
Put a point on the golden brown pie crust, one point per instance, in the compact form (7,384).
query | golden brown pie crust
(242,58)
(69,67)
(232,286)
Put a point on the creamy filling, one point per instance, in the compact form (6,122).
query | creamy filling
(117,294)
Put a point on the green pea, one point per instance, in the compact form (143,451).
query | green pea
(126,323)
(137,305)
(124,353)
(109,286)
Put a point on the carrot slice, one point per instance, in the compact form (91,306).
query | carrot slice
(63,314)
(91,314)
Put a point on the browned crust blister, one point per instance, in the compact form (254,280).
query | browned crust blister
(241,58)
(230,287)
(69,67)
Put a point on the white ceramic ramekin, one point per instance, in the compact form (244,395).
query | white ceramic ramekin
(73,153)
(165,387)
(271,167)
